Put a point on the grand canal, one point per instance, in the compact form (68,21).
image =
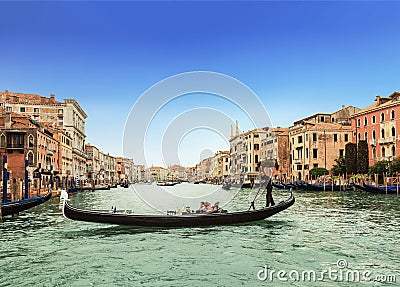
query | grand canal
(322,229)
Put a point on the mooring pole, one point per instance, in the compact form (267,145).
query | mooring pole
(5,179)
(51,177)
(26,179)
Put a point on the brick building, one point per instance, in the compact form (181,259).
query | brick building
(379,125)
(66,115)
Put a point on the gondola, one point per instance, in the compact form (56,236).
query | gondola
(14,207)
(226,186)
(186,220)
(390,189)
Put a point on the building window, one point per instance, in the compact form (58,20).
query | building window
(256,146)
(373,135)
(373,119)
(30,158)
(315,153)
(393,131)
(299,167)
(393,151)
(382,133)
(36,110)
(373,152)
(314,137)
(30,141)
(256,158)
(9,109)
(22,109)
(60,111)
(359,136)
(292,140)
(335,137)
(306,137)
(392,115)
(365,121)
(3,140)
(300,139)
(346,137)
(315,165)
(383,152)
(358,122)
(366,136)
(382,117)
(341,153)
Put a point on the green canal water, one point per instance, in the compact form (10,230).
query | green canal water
(321,230)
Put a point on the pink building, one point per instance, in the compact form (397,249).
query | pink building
(379,124)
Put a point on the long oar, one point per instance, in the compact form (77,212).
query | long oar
(261,187)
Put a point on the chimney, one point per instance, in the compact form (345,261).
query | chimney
(52,98)
(378,100)
(343,107)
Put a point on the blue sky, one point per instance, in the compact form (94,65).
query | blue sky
(298,57)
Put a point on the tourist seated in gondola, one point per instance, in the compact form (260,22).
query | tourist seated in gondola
(202,208)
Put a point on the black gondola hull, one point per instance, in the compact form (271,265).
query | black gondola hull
(189,220)
(19,206)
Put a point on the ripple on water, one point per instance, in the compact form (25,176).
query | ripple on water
(41,246)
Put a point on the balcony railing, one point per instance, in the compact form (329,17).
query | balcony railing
(387,140)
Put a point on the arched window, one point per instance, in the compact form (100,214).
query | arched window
(359,137)
(365,121)
(358,122)
(382,117)
(30,158)
(373,135)
(393,131)
(373,119)
(374,153)
(393,151)
(3,140)
(392,115)
(30,141)
(383,152)
(382,133)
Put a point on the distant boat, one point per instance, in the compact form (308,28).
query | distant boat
(166,183)
(14,207)
(184,220)
(390,189)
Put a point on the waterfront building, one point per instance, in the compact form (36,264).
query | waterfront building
(67,115)
(379,125)
(245,152)
(190,173)
(109,165)
(64,157)
(23,139)
(220,165)
(317,141)
(156,173)
(275,149)
(203,170)
(177,172)
(93,164)
(138,173)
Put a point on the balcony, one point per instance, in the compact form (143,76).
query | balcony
(387,140)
